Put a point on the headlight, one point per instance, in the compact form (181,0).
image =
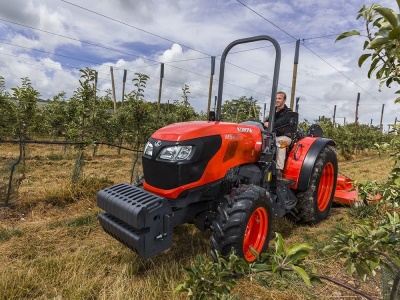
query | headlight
(148,149)
(176,153)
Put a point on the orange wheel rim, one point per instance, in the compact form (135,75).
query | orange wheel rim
(325,187)
(256,233)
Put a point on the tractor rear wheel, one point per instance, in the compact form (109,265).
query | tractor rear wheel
(243,221)
(314,204)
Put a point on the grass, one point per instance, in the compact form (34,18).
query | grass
(367,167)
(6,234)
(52,247)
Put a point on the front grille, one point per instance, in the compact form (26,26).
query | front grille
(168,175)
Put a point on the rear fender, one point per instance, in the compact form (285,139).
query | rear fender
(301,161)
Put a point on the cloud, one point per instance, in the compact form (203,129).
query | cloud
(171,54)
(137,35)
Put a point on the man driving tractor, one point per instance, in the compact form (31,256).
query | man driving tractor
(282,139)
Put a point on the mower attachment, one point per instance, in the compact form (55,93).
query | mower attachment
(347,194)
(138,219)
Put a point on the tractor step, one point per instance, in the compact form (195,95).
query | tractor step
(138,219)
(285,194)
(285,182)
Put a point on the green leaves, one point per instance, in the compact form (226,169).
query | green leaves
(183,111)
(297,251)
(375,43)
(24,100)
(279,244)
(395,33)
(240,110)
(8,113)
(368,190)
(302,273)
(363,58)
(389,15)
(347,34)
(289,259)
(214,280)
(362,251)
(362,248)
(87,116)
(383,39)
(140,83)
(350,137)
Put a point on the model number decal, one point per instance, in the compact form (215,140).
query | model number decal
(244,129)
(231,137)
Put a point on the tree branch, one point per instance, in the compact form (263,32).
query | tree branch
(397,267)
(339,283)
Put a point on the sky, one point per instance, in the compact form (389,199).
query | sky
(48,41)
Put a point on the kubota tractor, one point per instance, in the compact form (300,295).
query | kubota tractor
(221,176)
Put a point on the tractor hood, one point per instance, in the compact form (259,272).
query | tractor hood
(195,129)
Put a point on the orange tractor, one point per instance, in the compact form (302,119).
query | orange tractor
(222,176)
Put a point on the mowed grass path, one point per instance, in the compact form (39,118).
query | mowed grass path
(52,247)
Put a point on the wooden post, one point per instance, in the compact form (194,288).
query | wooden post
(160,88)
(380,124)
(113,88)
(95,94)
(357,104)
(334,115)
(265,109)
(95,85)
(210,86)
(123,88)
(296,62)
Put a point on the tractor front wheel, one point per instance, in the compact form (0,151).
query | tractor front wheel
(244,221)
(314,204)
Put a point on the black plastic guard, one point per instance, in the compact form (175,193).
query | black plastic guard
(309,162)
(138,219)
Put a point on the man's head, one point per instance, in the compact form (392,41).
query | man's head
(280,100)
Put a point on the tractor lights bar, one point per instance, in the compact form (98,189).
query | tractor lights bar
(173,153)
(176,153)
(148,149)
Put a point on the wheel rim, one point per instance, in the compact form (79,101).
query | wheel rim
(256,233)
(325,187)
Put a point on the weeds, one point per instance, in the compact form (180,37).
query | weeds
(88,220)
(363,211)
(60,252)
(7,234)
(84,188)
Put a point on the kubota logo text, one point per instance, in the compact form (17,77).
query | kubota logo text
(244,129)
